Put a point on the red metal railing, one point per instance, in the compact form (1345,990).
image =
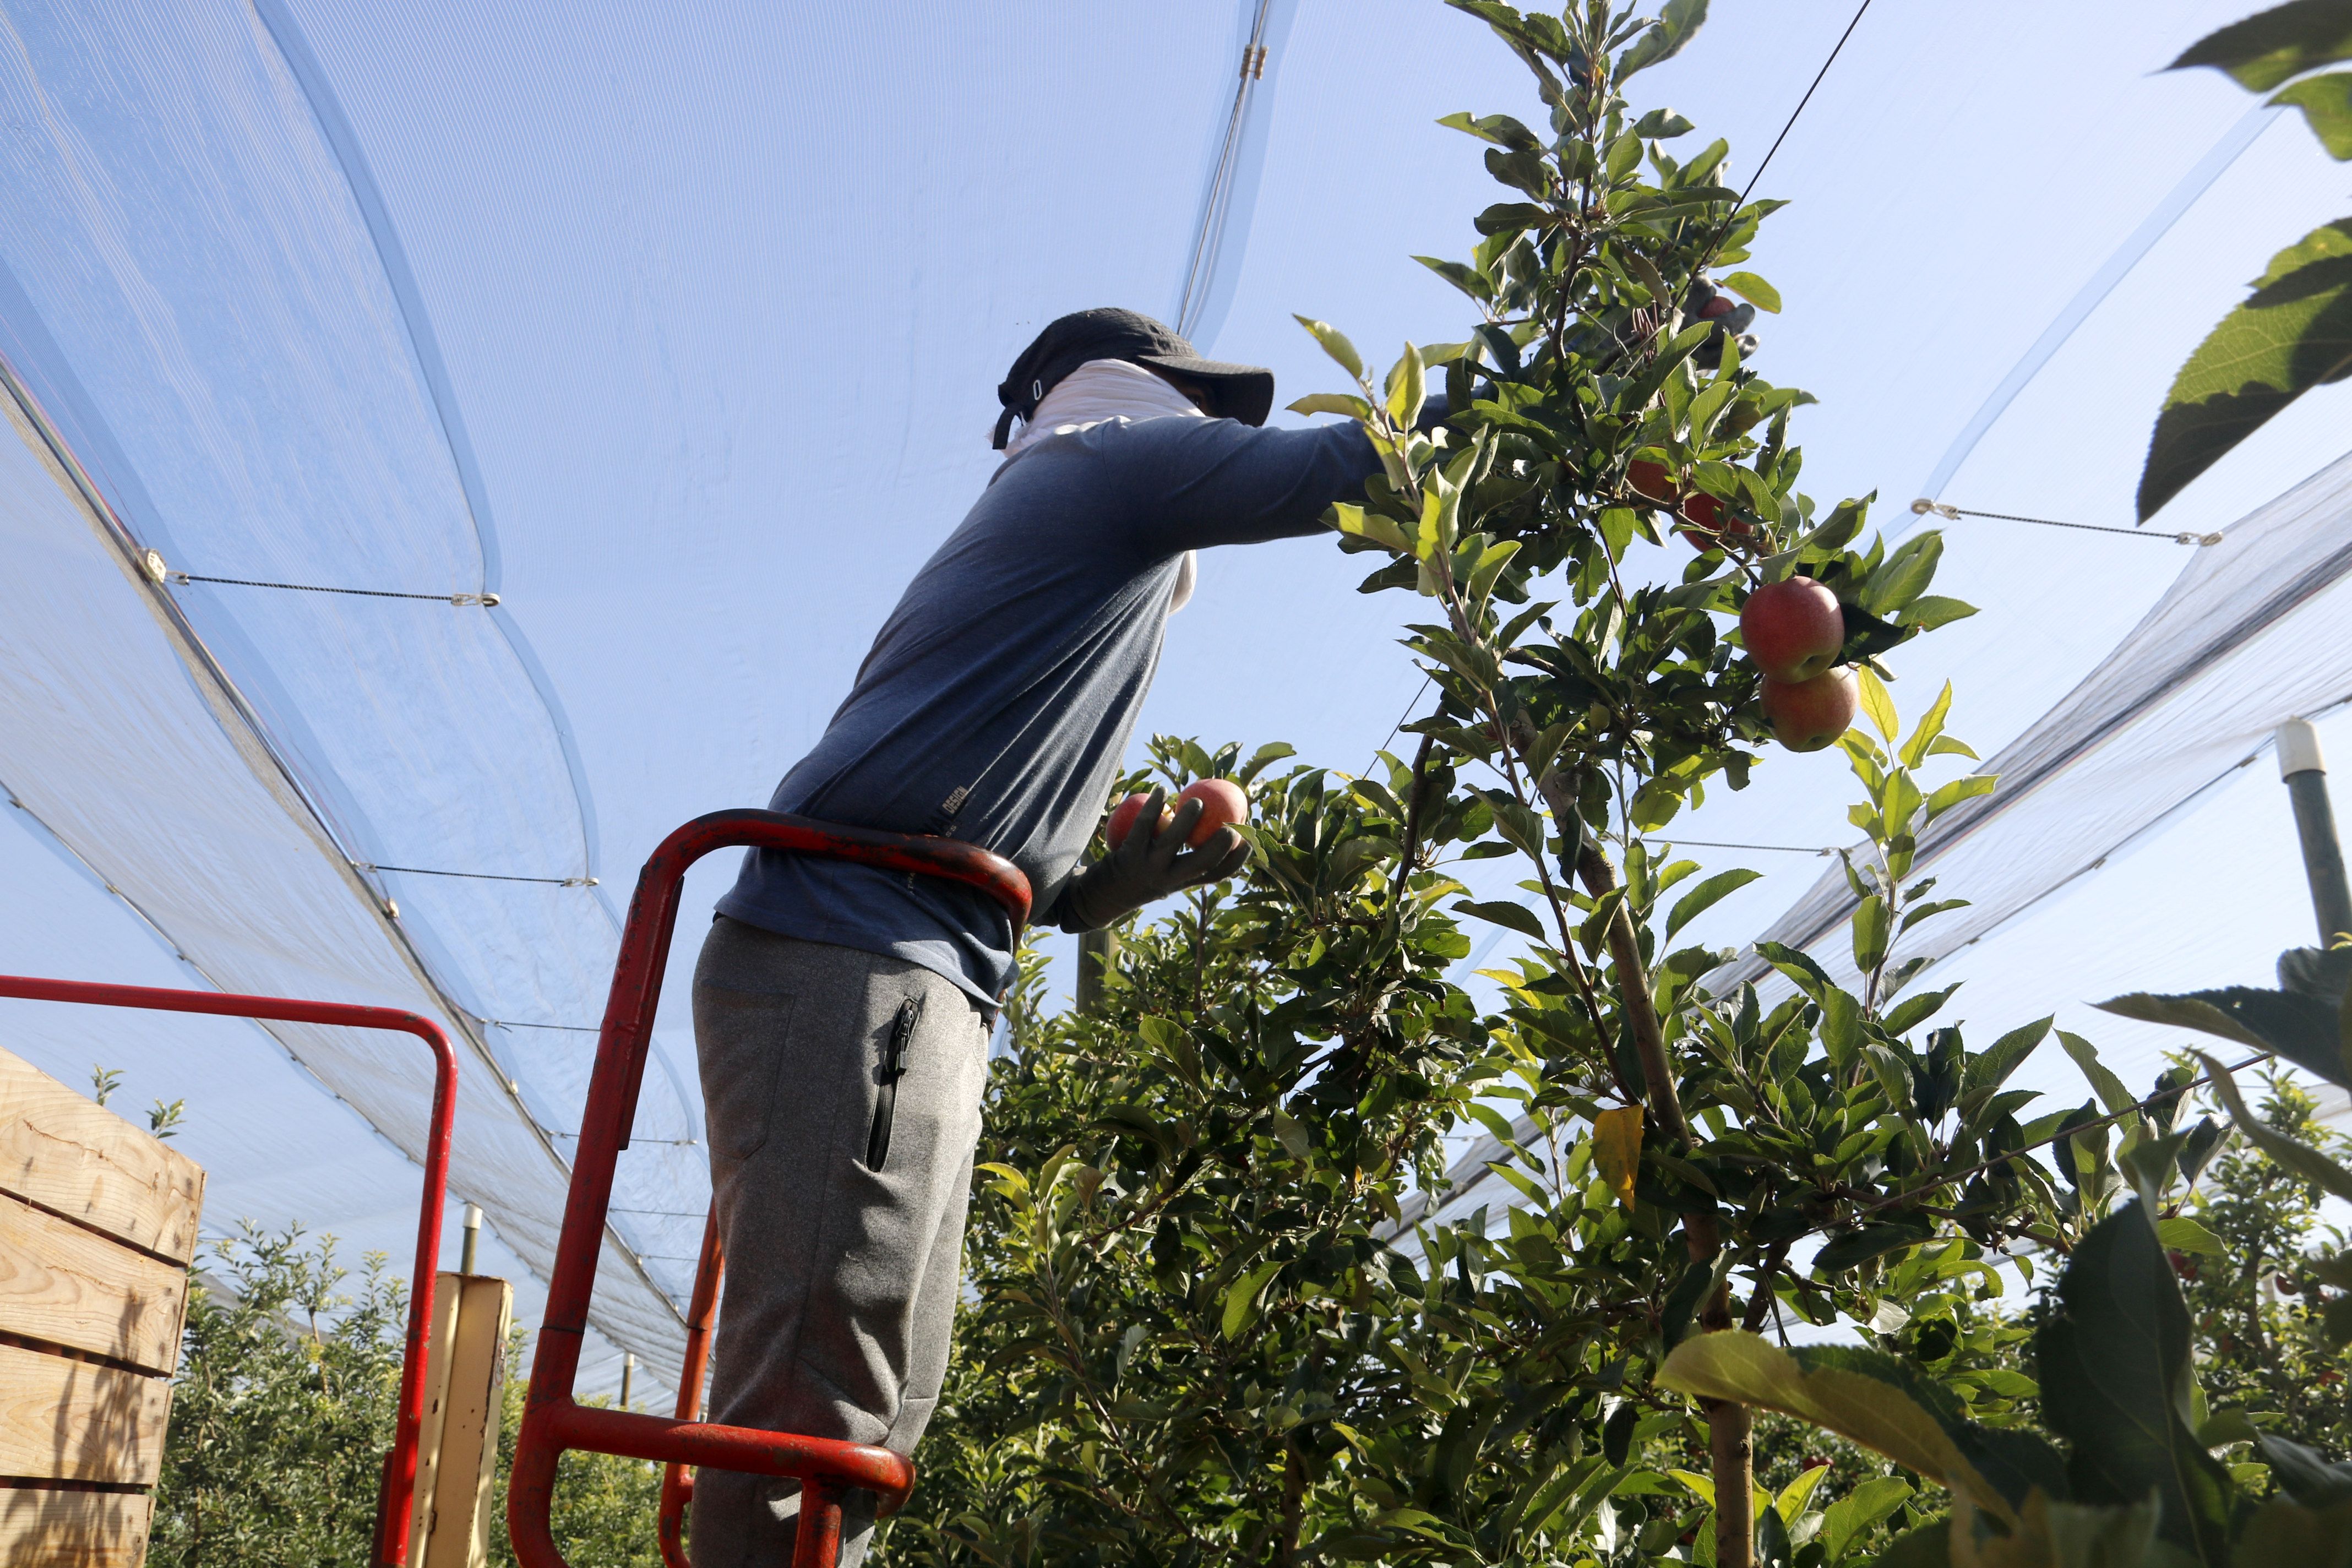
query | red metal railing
(701,1319)
(396,1497)
(552,1420)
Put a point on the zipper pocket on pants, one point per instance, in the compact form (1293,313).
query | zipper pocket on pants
(894,1067)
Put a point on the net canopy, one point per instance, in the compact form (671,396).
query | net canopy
(676,330)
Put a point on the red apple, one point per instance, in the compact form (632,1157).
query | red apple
(1123,816)
(1721,525)
(1223,803)
(1807,715)
(1653,480)
(1793,629)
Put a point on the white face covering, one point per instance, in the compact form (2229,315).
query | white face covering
(1104,389)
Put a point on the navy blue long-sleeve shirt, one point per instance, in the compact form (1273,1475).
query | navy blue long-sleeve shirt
(996,703)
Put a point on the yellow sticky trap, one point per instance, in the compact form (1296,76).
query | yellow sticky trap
(1617,1149)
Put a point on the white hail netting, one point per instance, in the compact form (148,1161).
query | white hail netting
(2249,636)
(193,298)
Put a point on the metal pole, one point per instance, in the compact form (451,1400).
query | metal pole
(473,1234)
(2305,772)
(628,1375)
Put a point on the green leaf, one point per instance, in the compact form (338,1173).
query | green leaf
(2184,1235)
(1930,725)
(1335,343)
(1932,610)
(2110,1088)
(1797,965)
(1870,933)
(1500,129)
(1926,1546)
(1346,402)
(1948,795)
(1408,386)
(1991,1069)
(1753,290)
(1854,1405)
(2267,47)
(1847,1521)
(2294,333)
(2327,105)
(1905,575)
(2304,1475)
(1842,1252)
(2114,1364)
(1520,824)
(1676,23)
(1348,517)
(1913,1010)
(1877,701)
(1491,561)
(1264,757)
(1468,280)
(2303,1159)
(1517,917)
(1691,905)
(2303,1029)
(1240,1300)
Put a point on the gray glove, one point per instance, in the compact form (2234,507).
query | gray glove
(1148,866)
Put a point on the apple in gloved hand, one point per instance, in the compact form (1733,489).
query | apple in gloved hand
(1223,803)
(1794,628)
(1807,715)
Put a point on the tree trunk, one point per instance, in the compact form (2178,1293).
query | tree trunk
(1731,1447)
(1731,1441)
(1294,1507)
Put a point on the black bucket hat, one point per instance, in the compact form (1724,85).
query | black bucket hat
(1243,392)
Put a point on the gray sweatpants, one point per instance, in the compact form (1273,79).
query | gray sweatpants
(841,1276)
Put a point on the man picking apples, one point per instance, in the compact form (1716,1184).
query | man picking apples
(842,1012)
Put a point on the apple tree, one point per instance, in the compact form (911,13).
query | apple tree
(1221,1307)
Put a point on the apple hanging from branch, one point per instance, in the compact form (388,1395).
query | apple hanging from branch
(1808,715)
(1794,628)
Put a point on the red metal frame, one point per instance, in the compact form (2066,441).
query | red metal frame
(701,1319)
(396,1500)
(552,1420)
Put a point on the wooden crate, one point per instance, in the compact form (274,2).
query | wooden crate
(98,1229)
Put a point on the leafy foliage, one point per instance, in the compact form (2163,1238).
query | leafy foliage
(282,1411)
(2294,333)
(2267,1298)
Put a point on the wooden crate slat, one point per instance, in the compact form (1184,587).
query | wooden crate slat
(74,1420)
(60,1283)
(74,1529)
(467,1443)
(67,1153)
